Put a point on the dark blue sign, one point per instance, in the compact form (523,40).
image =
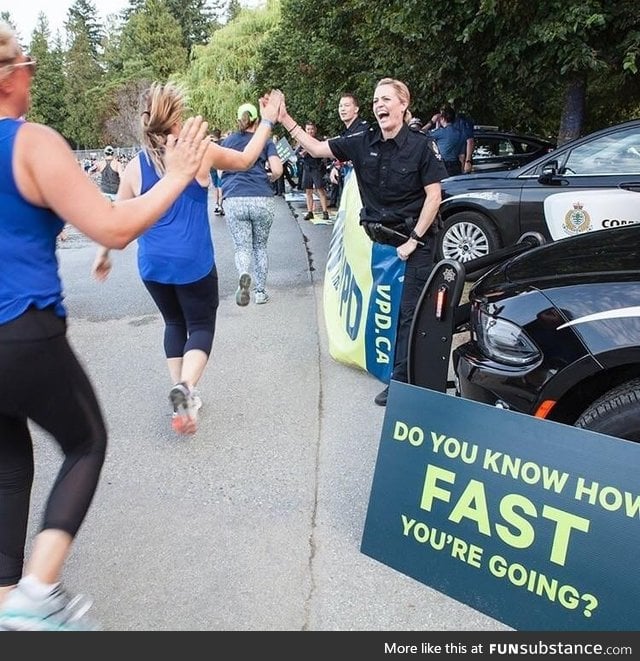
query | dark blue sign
(534,523)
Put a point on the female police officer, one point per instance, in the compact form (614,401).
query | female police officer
(398,173)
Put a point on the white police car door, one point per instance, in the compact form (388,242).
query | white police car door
(580,211)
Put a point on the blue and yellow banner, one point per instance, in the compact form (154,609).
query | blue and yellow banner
(362,289)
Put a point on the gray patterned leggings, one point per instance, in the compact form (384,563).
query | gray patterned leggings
(249,220)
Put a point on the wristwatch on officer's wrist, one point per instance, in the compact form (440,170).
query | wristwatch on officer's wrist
(414,236)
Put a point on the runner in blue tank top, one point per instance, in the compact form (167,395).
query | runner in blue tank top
(42,380)
(176,258)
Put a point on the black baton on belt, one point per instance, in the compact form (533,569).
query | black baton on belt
(390,232)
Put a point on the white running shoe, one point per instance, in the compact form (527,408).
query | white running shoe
(185,410)
(56,611)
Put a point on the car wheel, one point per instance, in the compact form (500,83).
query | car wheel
(616,413)
(466,236)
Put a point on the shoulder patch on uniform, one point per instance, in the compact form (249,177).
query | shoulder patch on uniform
(436,151)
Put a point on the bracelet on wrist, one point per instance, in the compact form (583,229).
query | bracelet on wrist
(415,236)
(293,128)
(267,122)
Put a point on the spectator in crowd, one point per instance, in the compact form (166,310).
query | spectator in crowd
(465,125)
(110,169)
(218,210)
(349,111)
(299,160)
(313,177)
(450,141)
(176,257)
(251,207)
(277,183)
(392,203)
(43,382)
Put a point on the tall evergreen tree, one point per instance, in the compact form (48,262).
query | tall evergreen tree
(197,18)
(47,89)
(233,10)
(151,43)
(83,75)
(83,16)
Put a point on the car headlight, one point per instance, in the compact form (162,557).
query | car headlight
(503,341)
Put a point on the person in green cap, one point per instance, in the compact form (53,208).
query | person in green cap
(250,207)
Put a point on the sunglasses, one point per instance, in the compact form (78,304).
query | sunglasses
(29,62)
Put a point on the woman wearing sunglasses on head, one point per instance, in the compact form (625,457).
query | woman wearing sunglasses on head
(42,379)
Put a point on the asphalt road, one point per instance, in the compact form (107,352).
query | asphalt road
(255,523)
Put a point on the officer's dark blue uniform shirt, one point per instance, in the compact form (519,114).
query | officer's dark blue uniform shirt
(357,125)
(391,173)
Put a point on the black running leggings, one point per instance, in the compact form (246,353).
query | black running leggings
(189,313)
(42,381)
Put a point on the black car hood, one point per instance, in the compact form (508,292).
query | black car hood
(601,256)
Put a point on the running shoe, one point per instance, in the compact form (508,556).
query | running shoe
(197,399)
(261,297)
(185,412)
(242,293)
(56,611)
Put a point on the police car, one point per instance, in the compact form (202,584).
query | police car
(585,185)
(502,150)
(555,332)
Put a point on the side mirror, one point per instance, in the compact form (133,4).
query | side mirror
(549,173)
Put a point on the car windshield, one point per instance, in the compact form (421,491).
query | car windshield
(614,153)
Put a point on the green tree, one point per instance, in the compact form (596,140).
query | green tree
(82,16)
(83,75)
(233,10)
(143,45)
(551,67)
(151,44)
(561,67)
(314,55)
(560,50)
(47,90)
(197,18)
(222,74)
(112,56)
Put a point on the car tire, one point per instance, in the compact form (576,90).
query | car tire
(616,413)
(465,236)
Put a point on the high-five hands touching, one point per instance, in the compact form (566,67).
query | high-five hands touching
(270,105)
